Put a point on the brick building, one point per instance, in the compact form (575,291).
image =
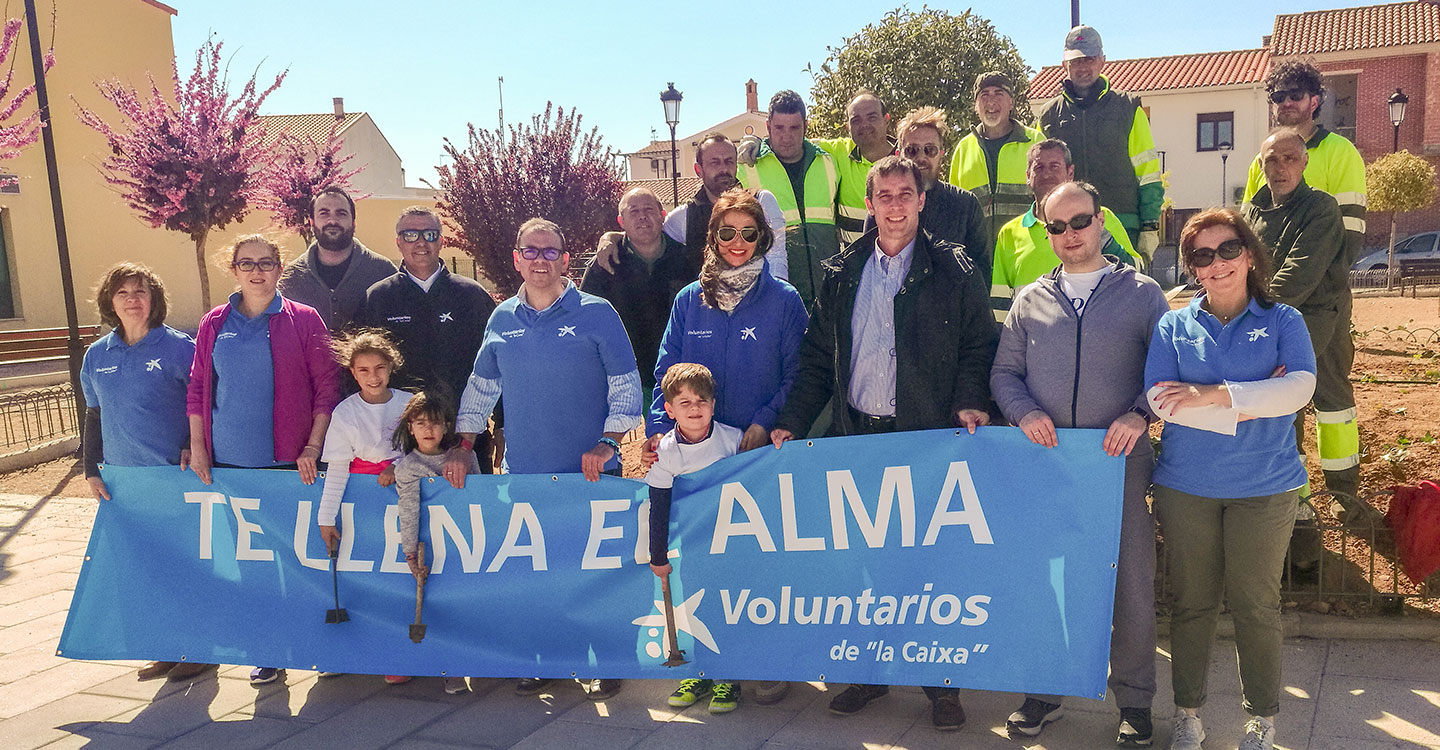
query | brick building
(1366,54)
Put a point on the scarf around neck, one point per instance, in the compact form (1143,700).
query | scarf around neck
(734,282)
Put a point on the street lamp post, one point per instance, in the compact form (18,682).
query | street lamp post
(1225,149)
(670,99)
(1397,102)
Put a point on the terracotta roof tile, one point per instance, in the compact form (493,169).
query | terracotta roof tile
(1167,73)
(689,186)
(315,127)
(1392,25)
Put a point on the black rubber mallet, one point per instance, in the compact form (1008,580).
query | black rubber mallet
(337,615)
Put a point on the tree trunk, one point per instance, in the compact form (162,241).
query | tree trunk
(204,270)
(1390,258)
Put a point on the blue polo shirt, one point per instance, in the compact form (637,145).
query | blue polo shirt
(1191,346)
(140,392)
(554,368)
(242,427)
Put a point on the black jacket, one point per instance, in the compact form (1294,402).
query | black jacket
(944,340)
(438,333)
(643,294)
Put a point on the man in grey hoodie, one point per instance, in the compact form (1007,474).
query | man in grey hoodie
(1072,354)
(335,271)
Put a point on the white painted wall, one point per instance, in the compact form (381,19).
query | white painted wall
(383,176)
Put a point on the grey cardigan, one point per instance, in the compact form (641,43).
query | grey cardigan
(1082,372)
(301,283)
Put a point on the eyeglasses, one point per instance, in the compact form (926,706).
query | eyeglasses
(264,264)
(414,235)
(747,234)
(1201,257)
(1059,226)
(548,253)
(929,149)
(1291,95)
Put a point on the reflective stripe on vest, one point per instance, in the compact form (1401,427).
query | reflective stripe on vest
(1338,438)
(821,185)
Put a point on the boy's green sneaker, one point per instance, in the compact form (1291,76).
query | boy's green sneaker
(724,696)
(690,690)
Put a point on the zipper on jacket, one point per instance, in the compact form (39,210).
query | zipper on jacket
(1075,387)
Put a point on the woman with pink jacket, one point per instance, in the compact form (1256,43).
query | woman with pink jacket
(256,351)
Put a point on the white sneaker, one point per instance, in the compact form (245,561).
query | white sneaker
(456,686)
(1188,733)
(1259,734)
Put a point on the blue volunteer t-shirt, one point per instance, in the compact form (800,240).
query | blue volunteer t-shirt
(1191,346)
(242,427)
(554,369)
(140,392)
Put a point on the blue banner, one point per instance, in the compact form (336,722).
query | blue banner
(917,558)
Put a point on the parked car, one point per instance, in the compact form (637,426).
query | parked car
(1415,247)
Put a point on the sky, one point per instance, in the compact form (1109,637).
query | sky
(424,69)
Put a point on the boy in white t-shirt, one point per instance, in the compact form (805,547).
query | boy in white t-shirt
(696,442)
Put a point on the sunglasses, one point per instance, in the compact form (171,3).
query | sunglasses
(548,253)
(264,264)
(1292,95)
(747,234)
(414,235)
(929,149)
(1059,226)
(1201,257)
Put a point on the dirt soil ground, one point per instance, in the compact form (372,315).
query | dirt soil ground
(1397,391)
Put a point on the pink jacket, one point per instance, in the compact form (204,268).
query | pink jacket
(306,376)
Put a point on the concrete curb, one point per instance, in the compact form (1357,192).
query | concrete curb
(1336,627)
(39,454)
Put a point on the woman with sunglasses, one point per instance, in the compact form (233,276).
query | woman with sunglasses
(739,321)
(1227,374)
(745,325)
(263,382)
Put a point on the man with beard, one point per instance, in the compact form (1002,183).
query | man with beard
(689,222)
(950,214)
(990,160)
(1022,250)
(334,273)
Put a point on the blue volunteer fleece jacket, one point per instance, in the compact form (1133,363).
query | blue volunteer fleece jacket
(753,352)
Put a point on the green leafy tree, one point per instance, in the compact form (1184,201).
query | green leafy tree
(911,60)
(1397,183)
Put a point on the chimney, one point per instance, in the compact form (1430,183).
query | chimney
(1265,41)
(339,107)
(752,96)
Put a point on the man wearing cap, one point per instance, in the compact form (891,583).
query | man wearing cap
(990,160)
(1109,136)
(1022,249)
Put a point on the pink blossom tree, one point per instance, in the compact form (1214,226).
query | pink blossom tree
(549,167)
(303,167)
(25,131)
(192,166)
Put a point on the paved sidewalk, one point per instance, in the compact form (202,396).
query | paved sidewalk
(1340,694)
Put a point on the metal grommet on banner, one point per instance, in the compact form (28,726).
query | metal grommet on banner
(822,678)
(809,443)
(947,680)
(443,673)
(429,479)
(554,478)
(572,675)
(315,667)
(1112,566)
(87,558)
(702,673)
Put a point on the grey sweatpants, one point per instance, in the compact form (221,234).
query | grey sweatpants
(1132,629)
(1235,546)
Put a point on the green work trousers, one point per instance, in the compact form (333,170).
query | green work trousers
(1235,547)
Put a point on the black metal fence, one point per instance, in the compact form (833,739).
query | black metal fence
(35,416)
(1357,563)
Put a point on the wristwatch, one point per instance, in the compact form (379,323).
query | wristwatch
(1141,412)
(610,442)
